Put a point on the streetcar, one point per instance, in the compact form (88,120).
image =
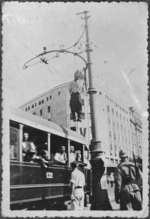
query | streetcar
(31,185)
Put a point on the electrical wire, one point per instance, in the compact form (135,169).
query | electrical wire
(74,45)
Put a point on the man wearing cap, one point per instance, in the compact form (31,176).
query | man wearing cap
(77,188)
(76,87)
(127,191)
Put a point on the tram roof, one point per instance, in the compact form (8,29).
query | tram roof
(34,121)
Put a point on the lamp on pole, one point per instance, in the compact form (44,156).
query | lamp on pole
(99,196)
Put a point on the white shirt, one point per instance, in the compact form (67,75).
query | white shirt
(77,178)
(72,157)
(76,86)
(28,146)
(61,157)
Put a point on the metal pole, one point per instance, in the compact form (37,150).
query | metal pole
(99,196)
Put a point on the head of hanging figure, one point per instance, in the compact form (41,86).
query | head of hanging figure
(78,75)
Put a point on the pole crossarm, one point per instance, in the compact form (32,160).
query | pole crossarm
(44,60)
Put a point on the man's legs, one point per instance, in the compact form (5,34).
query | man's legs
(79,107)
(72,106)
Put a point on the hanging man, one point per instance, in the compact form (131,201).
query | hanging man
(127,191)
(76,87)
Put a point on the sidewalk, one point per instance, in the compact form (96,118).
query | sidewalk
(111,196)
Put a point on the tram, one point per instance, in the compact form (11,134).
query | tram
(31,185)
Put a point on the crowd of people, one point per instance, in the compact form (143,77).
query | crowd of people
(31,154)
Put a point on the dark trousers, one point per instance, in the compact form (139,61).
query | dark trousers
(76,105)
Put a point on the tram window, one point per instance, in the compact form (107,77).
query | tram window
(78,150)
(37,144)
(56,143)
(14,143)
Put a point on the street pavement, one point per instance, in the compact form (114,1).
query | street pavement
(111,196)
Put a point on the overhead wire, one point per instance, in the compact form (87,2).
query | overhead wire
(57,54)
(74,45)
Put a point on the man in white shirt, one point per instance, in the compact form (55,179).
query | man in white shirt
(76,87)
(28,148)
(61,155)
(77,188)
(72,154)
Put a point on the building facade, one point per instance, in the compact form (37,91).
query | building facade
(119,127)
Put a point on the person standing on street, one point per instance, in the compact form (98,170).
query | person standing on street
(77,188)
(76,87)
(111,179)
(127,191)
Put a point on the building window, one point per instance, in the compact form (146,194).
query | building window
(113,124)
(35,104)
(48,109)
(42,101)
(111,149)
(59,93)
(28,107)
(50,97)
(40,112)
(115,147)
(32,105)
(34,113)
(110,133)
(39,102)
(82,102)
(47,98)
(73,128)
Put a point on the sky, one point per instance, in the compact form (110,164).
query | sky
(118,37)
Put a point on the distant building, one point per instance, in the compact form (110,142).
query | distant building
(119,127)
(136,131)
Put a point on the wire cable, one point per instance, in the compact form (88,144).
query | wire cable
(74,45)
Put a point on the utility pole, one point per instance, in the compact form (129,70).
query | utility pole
(99,196)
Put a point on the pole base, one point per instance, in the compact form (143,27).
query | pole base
(100,200)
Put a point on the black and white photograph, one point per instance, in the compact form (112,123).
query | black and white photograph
(74,109)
